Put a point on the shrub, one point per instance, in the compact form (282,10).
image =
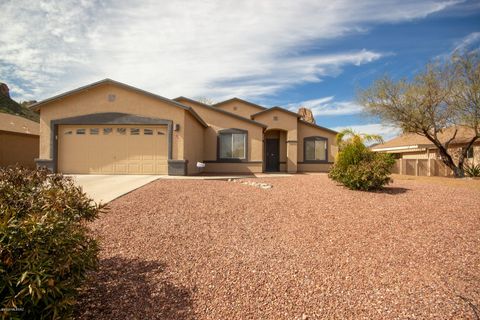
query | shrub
(45,246)
(358,168)
(473,170)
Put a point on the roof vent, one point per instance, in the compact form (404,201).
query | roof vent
(111,97)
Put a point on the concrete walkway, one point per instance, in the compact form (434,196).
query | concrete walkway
(105,188)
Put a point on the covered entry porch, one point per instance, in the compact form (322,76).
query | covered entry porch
(277,149)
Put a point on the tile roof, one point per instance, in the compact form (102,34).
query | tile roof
(12,123)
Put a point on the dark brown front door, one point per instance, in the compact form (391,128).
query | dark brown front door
(272,155)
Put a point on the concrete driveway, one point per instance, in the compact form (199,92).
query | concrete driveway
(105,188)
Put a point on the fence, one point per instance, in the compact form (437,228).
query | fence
(421,167)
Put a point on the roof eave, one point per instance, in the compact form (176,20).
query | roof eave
(222,111)
(241,100)
(37,105)
(293,114)
(317,126)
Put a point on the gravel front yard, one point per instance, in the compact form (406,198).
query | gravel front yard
(305,249)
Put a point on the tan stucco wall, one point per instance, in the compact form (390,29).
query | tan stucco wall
(416,155)
(193,145)
(95,100)
(287,122)
(218,121)
(305,130)
(18,148)
(240,108)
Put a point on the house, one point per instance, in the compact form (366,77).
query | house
(19,139)
(109,127)
(415,150)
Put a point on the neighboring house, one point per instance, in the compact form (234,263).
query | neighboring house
(19,140)
(417,147)
(112,128)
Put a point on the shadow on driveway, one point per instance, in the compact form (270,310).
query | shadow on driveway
(132,289)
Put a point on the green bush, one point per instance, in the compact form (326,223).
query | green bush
(473,170)
(45,246)
(358,168)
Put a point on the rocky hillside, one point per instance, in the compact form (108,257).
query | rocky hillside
(7,105)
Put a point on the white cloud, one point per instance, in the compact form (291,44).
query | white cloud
(327,106)
(467,42)
(209,48)
(386,131)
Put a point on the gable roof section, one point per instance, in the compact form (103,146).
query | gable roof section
(317,126)
(239,100)
(294,115)
(37,105)
(230,114)
(413,140)
(276,108)
(17,124)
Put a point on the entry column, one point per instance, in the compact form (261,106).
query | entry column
(292,156)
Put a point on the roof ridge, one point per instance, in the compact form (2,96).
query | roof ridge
(277,108)
(234,115)
(124,85)
(242,100)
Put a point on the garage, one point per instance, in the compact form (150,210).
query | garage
(113,149)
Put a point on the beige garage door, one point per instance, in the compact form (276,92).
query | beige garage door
(112,149)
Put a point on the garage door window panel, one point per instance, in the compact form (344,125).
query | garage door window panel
(81,131)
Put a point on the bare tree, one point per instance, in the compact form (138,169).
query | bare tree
(206,100)
(445,95)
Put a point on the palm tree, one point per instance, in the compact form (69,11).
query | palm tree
(348,135)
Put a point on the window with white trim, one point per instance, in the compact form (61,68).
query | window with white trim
(232,144)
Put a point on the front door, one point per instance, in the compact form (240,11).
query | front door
(272,155)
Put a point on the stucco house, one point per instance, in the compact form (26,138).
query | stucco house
(19,138)
(108,127)
(419,156)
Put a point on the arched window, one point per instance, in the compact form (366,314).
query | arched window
(315,149)
(232,144)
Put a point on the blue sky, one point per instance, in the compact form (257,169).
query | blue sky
(290,53)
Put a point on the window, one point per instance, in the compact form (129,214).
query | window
(148,132)
(315,149)
(232,144)
(80,131)
(160,133)
(122,131)
(134,131)
(68,132)
(94,131)
(469,152)
(107,130)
